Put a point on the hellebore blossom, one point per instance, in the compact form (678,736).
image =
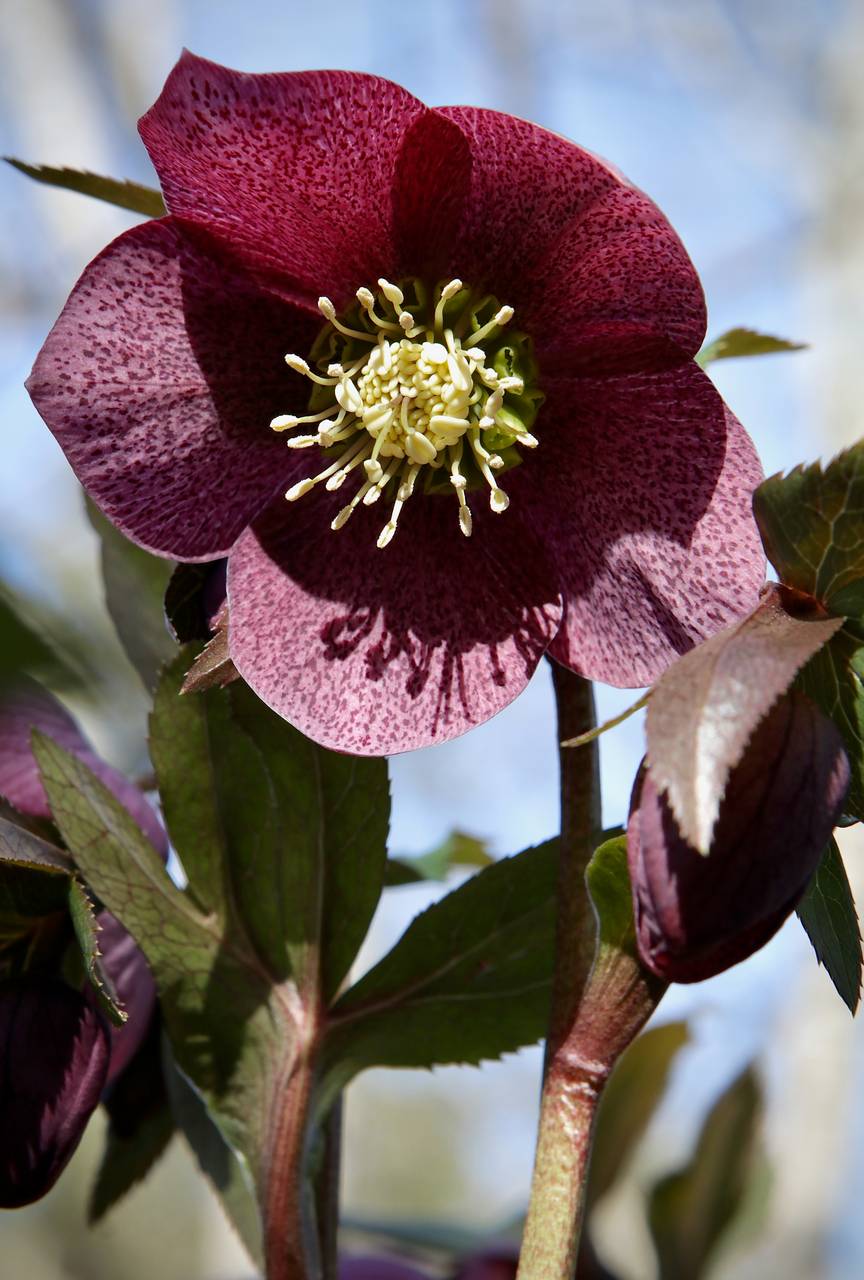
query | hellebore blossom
(699,914)
(56,1055)
(498,441)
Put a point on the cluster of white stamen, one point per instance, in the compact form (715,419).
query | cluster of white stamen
(420,397)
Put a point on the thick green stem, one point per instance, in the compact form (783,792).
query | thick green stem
(327,1193)
(572,1086)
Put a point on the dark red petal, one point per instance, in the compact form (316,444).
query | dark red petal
(430,193)
(697,915)
(160,379)
(26,706)
(616,291)
(377,651)
(54,1052)
(291,172)
(130,976)
(641,489)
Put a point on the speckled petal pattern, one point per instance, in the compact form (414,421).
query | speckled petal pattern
(527,186)
(160,379)
(617,272)
(291,171)
(27,706)
(641,491)
(377,651)
(430,194)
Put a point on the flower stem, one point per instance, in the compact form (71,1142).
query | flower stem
(571,1089)
(290,1250)
(327,1192)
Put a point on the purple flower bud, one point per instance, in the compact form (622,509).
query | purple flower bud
(54,1051)
(378,1269)
(697,915)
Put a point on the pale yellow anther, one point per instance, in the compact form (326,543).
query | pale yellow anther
(419,449)
(420,396)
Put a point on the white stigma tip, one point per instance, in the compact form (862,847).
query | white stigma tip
(465,521)
(406,320)
(450,290)
(435,352)
(325,306)
(334,371)
(348,397)
(504,315)
(496,462)
(297,363)
(284,422)
(297,490)
(475,353)
(498,501)
(386,535)
(336,481)
(419,449)
(372,467)
(371,496)
(526,439)
(302,442)
(340,519)
(365,297)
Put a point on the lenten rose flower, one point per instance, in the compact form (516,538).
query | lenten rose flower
(499,443)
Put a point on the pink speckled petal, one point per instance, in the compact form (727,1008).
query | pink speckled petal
(26,706)
(160,379)
(292,171)
(641,488)
(377,651)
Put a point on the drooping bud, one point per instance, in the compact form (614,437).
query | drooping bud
(54,1051)
(133,983)
(696,914)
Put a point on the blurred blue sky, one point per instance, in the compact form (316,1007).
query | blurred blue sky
(739,119)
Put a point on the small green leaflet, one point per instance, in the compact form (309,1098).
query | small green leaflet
(86,928)
(458,849)
(124,194)
(812,525)
(827,912)
(744,342)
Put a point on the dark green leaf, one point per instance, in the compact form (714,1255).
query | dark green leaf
(744,342)
(230,1028)
(135,583)
(608,881)
(328,865)
(834,679)
(690,1211)
(140,1125)
(124,194)
(226,1171)
(827,912)
(812,525)
(629,1100)
(34,874)
(86,928)
(468,980)
(23,649)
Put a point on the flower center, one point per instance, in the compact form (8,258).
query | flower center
(410,382)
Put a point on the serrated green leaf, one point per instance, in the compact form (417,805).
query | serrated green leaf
(827,912)
(812,525)
(691,1211)
(135,583)
(231,1029)
(86,928)
(834,679)
(629,1101)
(123,193)
(469,979)
(744,342)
